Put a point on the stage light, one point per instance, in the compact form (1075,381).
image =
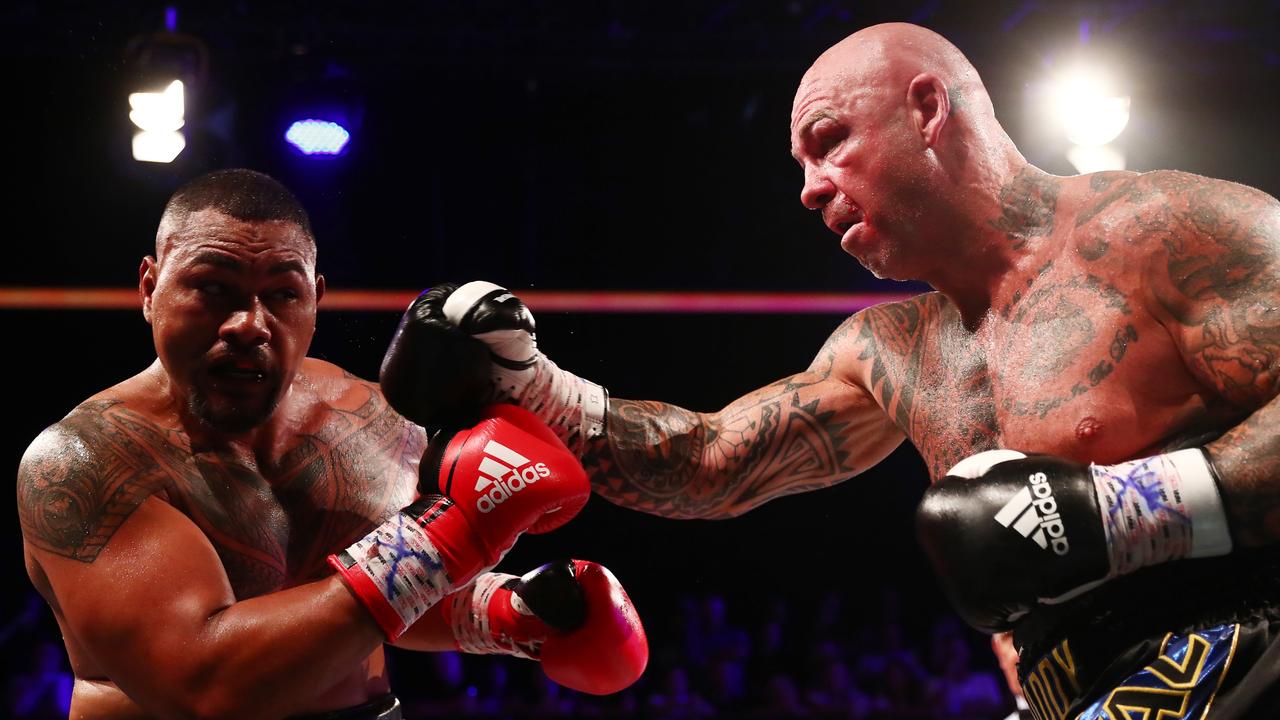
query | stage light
(1089,109)
(159,117)
(1084,104)
(317,137)
(165,73)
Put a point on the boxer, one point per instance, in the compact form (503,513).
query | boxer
(1118,330)
(237,530)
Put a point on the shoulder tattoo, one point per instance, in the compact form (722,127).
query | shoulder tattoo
(83,477)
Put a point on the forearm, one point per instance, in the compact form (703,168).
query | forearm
(263,656)
(431,633)
(1247,459)
(795,435)
(652,459)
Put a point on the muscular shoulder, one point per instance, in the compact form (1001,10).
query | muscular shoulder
(345,403)
(1152,211)
(1153,226)
(866,344)
(82,477)
(890,327)
(337,387)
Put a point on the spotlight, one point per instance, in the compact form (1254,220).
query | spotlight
(166,69)
(159,117)
(317,137)
(1091,113)
(1089,110)
(320,111)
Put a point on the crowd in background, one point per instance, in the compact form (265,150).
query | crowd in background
(822,657)
(775,657)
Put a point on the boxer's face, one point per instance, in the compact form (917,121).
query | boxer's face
(232,307)
(863,170)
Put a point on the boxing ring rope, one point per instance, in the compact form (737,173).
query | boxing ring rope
(575,301)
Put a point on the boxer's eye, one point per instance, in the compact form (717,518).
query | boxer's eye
(285,294)
(828,136)
(214,289)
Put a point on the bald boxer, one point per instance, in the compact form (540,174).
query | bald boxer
(1118,330)
(237,530)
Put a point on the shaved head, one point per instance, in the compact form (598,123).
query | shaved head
(899,144)
(238,193)
(887,57)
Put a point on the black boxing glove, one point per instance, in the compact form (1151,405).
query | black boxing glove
(425,385)
(434,374)
(1005,531)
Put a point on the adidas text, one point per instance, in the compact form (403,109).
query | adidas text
(505,487)
(1033,513)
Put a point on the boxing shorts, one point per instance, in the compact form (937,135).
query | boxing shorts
(1191,639)
(386,707)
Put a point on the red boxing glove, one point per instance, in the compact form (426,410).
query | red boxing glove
(573,616)
(503,479)
(508,474)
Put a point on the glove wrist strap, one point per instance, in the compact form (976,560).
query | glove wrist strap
(396,571)
(471,618)
(1160,508)
(572,407)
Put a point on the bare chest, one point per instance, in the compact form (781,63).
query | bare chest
(1071,367)
(274,526)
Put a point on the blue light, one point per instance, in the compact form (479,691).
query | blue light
(317,137)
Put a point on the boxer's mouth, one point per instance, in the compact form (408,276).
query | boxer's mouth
(241,370)
(842,226)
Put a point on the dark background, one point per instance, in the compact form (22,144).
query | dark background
(565,145)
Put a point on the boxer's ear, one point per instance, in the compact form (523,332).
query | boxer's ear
(319,287)
(929,106)
(147,284)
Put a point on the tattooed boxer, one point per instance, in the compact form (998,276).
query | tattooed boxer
(1092,388)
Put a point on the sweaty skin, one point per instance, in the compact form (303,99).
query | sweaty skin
(178,522)
(1099,318)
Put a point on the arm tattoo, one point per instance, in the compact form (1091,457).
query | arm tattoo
(930,377)
(804,432)
(1221,285)
(666,460)
(86,475)
(83,477)
(889,338)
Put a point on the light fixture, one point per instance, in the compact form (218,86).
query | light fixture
(1091,113)
(313,136)
(159,117)
(166,70)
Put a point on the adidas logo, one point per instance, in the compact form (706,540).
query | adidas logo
(1033,513)
(503,473)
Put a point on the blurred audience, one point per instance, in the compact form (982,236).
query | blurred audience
(836,656)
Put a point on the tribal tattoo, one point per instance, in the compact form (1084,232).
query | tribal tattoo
(84,476)
(801,433)
(87,474)
(930,377)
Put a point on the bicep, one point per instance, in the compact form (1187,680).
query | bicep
(139,605)
(1216,282)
